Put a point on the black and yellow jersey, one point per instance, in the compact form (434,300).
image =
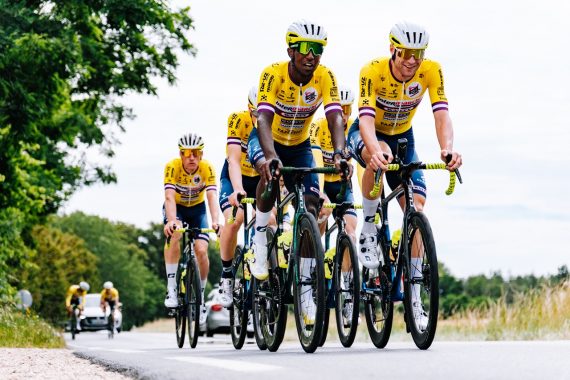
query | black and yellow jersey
(190,187)
(392,103)
(294,106)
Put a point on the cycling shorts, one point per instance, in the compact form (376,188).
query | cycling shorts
(194,216)
(332,189)
(298,156)
(355,146)
(249,185)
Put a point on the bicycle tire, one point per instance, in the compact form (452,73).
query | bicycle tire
(111,325)
(309,244)
(325,332)
(194,302)
(378,308)
(428,284)
(180,312)
(73,325)
(270,310)
(346,326)
(238,311)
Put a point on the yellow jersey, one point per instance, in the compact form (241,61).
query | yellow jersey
(109,295)
(74,291)
(240,126)
(392,103)
(294,106)
(321,140)
(190,187)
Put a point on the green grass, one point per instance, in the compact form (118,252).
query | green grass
(24,331)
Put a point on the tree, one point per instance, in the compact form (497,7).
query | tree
(63,67)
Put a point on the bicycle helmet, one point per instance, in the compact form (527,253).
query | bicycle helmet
(346,96)
(407,35)
(191,141)
(303,30)
(252,99)
(85,286)
(108,285)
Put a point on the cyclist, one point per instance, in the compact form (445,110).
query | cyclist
(391,89)
(321,144)
(238,177)
(76,296)
(290,92)
(109,295)
(186,180)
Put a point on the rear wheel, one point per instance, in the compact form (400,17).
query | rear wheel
(180,313)
(347,287)
(309,283)
(378,309)
(325,331)
(421,292)
(194,302)
(269,308)
(238,311)
(73,322)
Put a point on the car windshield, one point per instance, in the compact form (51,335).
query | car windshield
(91,301)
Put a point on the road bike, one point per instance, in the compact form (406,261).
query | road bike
(297,276)
(75,310)
(240,311)
(188,289)
(397,279)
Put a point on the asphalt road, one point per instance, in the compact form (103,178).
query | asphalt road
(156,356)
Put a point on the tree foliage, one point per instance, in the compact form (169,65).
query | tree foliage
(63,67)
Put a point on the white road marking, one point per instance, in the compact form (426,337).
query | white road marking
(232,365)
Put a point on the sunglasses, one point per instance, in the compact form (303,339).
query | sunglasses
(347,109)
(189,152)
(408,53)
(304,47)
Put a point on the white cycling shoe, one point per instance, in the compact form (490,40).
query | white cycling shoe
(420,316)
(258,267)
(226,292)
(171,300)
(368,253)
(203,315)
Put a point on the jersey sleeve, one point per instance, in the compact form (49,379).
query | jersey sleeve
(331,99)
(436,89)
(103,295)
(170,174)
(210,176)
(234,135)
(267,92)
(314,133)
(68,295)
(366,101)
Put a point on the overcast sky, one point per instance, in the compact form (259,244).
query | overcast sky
(507,77)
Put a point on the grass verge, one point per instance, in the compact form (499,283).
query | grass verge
(25,331)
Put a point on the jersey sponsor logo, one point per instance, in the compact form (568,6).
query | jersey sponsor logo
(413,90)
(310,95)
(397,105)
(363,86)
(196,179)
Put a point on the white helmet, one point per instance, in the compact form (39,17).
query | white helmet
(346,96)
(252,98)
(85,286)
(407,35)
(303,30)
(108,285)
(191,141)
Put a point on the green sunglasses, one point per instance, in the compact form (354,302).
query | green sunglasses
(304,47)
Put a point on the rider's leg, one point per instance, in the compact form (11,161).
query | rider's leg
(201,250)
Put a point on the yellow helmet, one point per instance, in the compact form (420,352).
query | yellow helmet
(303,30)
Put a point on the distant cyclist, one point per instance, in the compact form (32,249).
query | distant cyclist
(76,297)
(109,296)
(290,93)
(391,89)
(238,177)
(330,184)
(186,180)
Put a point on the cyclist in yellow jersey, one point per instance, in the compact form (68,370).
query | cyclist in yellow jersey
(238,177)
(76,296)
(186,180)
(290,93)
(323,150)
(109,295)
(390,91)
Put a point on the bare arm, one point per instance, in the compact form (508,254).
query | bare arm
(264,122)
(368,133)
(170,207)
(212,196)
(234,168)
(336,127)
(444,131)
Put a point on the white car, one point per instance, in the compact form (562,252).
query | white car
(93,317)
(218,317)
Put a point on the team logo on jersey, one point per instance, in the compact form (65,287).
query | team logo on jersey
(414,90)
(310,95)
(196,179)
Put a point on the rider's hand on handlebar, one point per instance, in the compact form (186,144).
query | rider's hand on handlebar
(337,163)
(218,228)
(380,160)
(265,169)
(170,226)
(455,162)
(233,199)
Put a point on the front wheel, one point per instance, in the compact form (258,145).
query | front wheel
(421,288)
(238,310)
(180,312)
(347,287)
(309,283)
(194,303)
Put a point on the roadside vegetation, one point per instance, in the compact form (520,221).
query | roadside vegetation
(25,331)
